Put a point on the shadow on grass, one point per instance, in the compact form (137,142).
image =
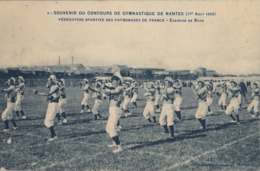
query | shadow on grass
(82,134)
(79,121)
(188,135)
(216,114)
(221,126)
(189,107)
(130,116)
(187,118)
(29,118)
(21,127)
(225,125)
(221,166)
(139,127)
(138,106)
(163,141)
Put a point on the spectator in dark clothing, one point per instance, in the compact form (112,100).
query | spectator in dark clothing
(243,91)
(248,84)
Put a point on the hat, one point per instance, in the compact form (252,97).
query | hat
(177,81)
(157,81)
(118,76)
(98,83)
(86,80)
(168,79)
(209,85)
(21,78)
(12,79)
(255,83)
(127,83)
(151,84)
(63,81)
(53,78)
(233,82)
(135,84)
(200,82)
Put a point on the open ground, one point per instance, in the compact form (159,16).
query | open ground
(82,142)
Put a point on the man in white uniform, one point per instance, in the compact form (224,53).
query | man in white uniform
(127,93)
(177,98)
(134,94)
(157,96)
(253,107)
(85,89)
(97,95)
(62,102)
(149,112)
(53,106)
(167,117)
(10,97)
(202,110)
(223,97)
(233,106)
(115,94)
(209,98)
(20,89)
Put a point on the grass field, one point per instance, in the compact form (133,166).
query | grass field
(82,142)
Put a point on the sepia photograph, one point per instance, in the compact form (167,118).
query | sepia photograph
(130,85)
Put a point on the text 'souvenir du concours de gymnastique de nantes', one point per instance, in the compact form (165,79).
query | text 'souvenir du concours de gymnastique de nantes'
(133,16)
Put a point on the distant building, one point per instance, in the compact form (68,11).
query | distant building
(33,71)
(101,70)
(136,73)
(69,69)
(212,73)
(80,71)
(60,70)
(201,71)
(144,72)
(10,72)
(109,70)
(79,68)
(179,72)
(105,78)
(124,69)
(161,73)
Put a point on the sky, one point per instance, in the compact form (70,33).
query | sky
(228,42)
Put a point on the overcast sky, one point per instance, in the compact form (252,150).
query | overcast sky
(227,43)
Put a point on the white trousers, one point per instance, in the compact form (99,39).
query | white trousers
(62,105)
(167,116)
(253,106)
(96,106)
(233,106)
(202,110)
(134,98)
(52,110)
(149,110)
(18,103)
(85,99)
(223,100)
(157,99)
(209,101)
(125,102)
(177,103)
(8,112)
(114,116)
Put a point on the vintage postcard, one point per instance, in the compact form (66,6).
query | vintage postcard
(130,85)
